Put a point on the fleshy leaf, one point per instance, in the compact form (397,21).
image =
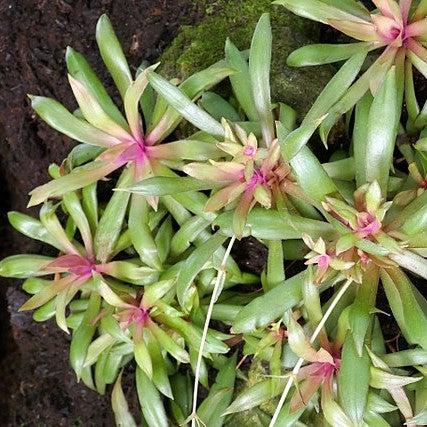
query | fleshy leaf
(183,104)
(259,71)
(112,54)
(59,118)
(120,406)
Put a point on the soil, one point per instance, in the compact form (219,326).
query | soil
(37,386)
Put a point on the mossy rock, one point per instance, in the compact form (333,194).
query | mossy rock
(199,46)
(261,415)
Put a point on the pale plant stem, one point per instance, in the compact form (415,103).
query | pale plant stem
(218,285)
(312,339)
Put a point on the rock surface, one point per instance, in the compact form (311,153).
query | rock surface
(199,46)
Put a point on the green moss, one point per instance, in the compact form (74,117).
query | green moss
(257,416)
(198,46)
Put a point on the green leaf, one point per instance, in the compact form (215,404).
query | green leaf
(82,336)
(186,234)
(156,291)
(311,176)
(81,154)
(93,112)
(376,160)
(76,212)
(111,326)
(270,306)
(259,71)
(97,347)
(193,265)
(165,185)
(167,118)
(168,344)
(275,265)
(378,404)
(160,373)
(163,239)
(353,381)
(23,266)
(110,224)
(31,228)
(405,307)
(140,232)
(142,358)
(33,285)
(185,106)
(51,222)
(185,149)
(108,295)
(360,132)
(220,394)
(193,335)
(131,271)
(112,365)
(288,418)
(332,93)
(342,169)
(376,73)
(79,68)
(131,102)
(241,80)
(58,289)
(412,357)
(120,407)
(60,119)
(255,395)
(318,54)
(321,11)
(414,216)
(182,388)
(150,401)
(90,205)
(62,299)
(45,312)
(77,178)
(386,380)
(332,412)
(112,54)
(271,225)
(147,101)
(363,307)
(411,261)
(218,107)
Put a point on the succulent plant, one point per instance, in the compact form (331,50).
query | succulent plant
(144,275)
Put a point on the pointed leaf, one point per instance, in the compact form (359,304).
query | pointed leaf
(375,162)
(259,71)
(241,80)
(59,118)
(93,112)
(112,54)
(120,407)
(353,385)
(318,54)
(194,264)
(183,104)
(150,401)
(140,232)
(111,222)
(162,186)
(79,68)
